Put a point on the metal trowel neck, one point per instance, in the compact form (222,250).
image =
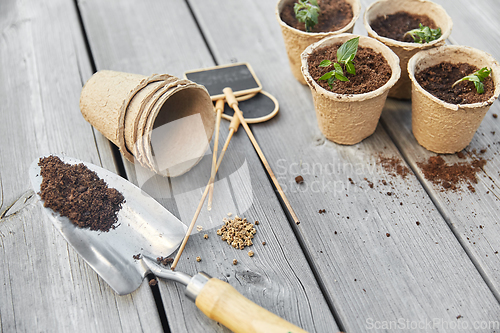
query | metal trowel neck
(194,284)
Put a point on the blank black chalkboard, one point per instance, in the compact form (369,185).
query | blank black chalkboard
(239,77)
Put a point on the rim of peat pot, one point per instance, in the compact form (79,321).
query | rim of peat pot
(349,118)
(364,41)
(427,58)
(404,5)
(405,50)
(440,126)
(297,40)
(356,11)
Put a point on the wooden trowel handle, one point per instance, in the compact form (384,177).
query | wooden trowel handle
(224,304)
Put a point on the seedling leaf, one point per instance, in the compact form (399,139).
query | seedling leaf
(325,63)
(307,11)
(424,34)
(348,50)
(477,78)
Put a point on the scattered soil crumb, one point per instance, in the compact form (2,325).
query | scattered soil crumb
(351,181)
(459,316)
(153,282)
(393,166)
(165,261)
(299,179)
(460,155)
(388,234)
(418,223)
(237,232)
(75,191)
(256,222)
(389,193)
(450,176)
(137,256)
(322,211)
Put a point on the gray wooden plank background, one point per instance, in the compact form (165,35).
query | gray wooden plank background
(44,285)
(473,217)
(278,276)
(419,271)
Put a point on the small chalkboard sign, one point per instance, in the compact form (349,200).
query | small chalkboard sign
(239,77)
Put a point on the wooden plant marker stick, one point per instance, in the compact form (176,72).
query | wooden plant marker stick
(233,103)
(219,107)
(233,127)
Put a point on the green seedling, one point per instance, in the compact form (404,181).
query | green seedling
(307,11)
(424,34)
(345,56)
(476,77)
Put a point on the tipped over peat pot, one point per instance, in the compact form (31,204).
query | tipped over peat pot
(349,118)
(405,50)
(297,40)
(440,126)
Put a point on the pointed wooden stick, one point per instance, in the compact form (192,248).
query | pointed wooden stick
(219,107)
(233,103)
(233,127)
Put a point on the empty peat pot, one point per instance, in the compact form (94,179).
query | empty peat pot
(349,118)
(405,50)
(443,127)
(162,122)
(297,40)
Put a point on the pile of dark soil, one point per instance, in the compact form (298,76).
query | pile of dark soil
(333,16)
(78,193)
(372,70)
(439,79)
(395,26)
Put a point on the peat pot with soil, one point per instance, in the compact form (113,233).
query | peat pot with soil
(407,27)
(452,89)
(316,20)
(349,77)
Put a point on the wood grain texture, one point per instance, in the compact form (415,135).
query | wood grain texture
(375,262)
(472,216)
(44,284)
(277,277)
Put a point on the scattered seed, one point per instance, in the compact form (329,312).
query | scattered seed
(257,223)
(495,115)
(388,234)
(263,243)
(235,261)
(418,223)
(198,259)
(237,232)
(299,179)
(205,236)
(137,256)
(199,228)
(229,214)
(153,282)
(250,253)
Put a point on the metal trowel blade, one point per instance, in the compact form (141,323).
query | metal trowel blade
(144,227)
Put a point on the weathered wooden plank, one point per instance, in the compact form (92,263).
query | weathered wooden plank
(44,285)
(473,217)
(418,272)
(278,276)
